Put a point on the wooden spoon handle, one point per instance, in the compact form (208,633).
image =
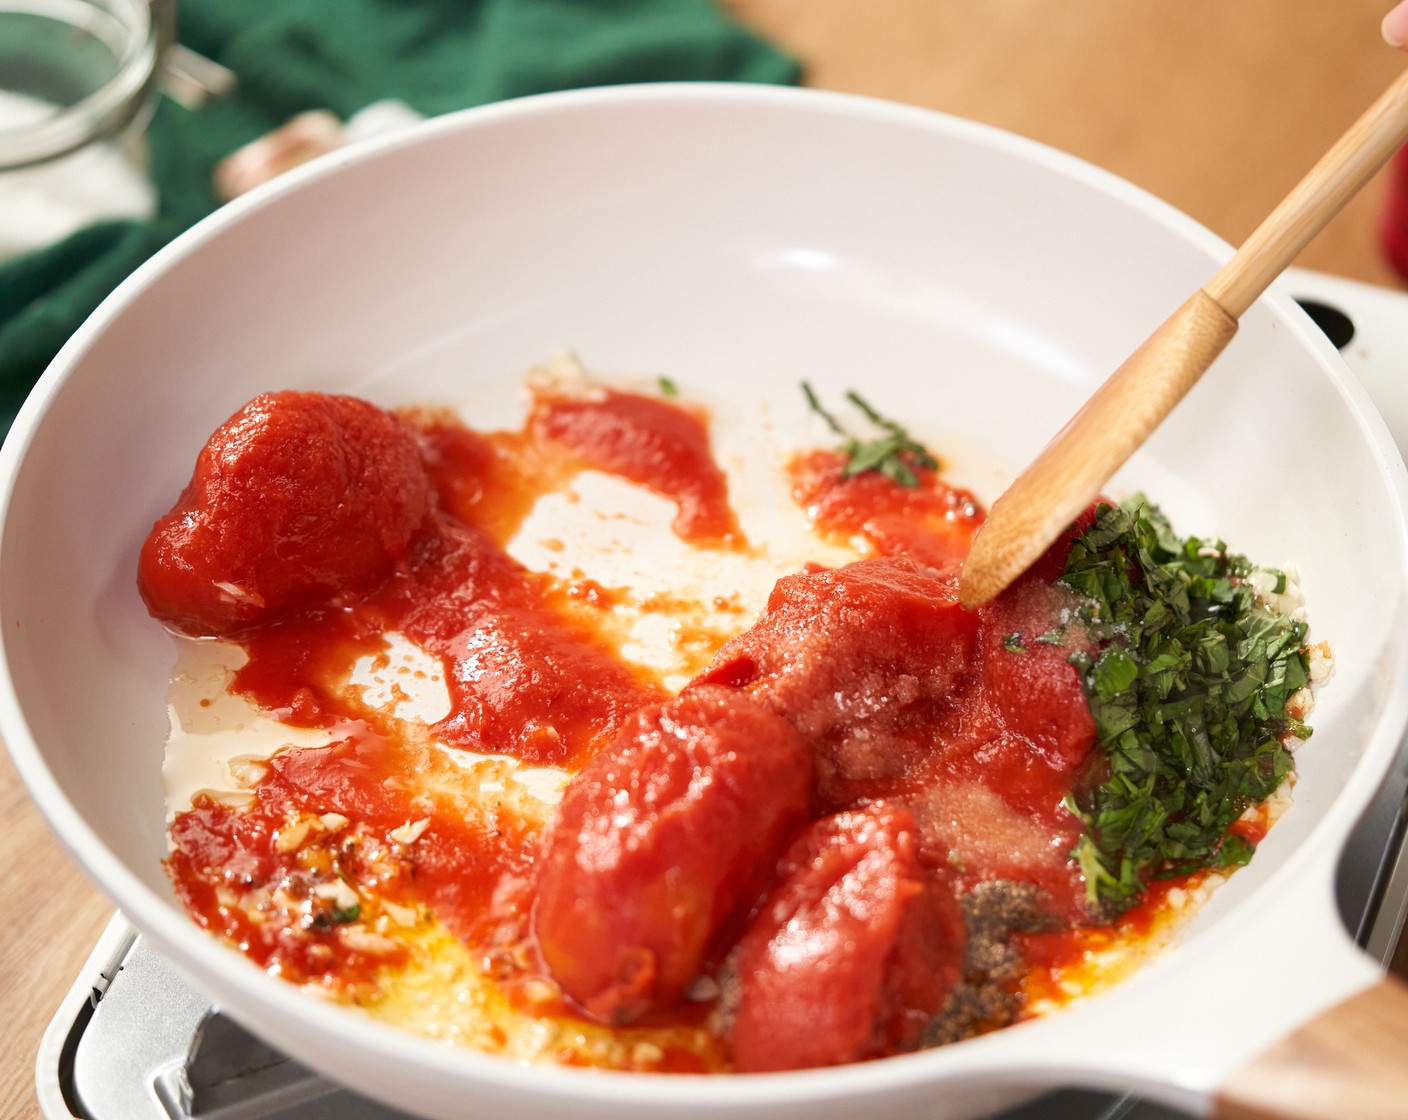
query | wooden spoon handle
(1069,474)
(1351,1060)
(1340,174)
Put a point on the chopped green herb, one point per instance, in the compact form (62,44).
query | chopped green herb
(1188,696)
(1113,672)
(1236,851)
(668,388)
(1012,642)
(896,455)
(350,914)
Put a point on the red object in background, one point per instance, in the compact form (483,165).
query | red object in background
(1393,229)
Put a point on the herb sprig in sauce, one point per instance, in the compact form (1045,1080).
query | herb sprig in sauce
(895,454)
(1189,696)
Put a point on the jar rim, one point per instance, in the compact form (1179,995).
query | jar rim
(146,30)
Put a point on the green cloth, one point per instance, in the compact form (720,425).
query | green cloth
(294,55)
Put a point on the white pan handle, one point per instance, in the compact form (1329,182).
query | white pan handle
(1351,1060)
(1268,1010)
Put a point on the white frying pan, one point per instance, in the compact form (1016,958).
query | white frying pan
(738,239)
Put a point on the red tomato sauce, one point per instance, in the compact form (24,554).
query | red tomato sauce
(233,878)
(651,442)
(932,522)
(524,681)
(829,791)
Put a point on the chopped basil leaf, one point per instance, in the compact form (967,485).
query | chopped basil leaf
(895,454)
(1012,643)
(1236,851)
(1113,672)
(350,914)
(1189,699)
(668,388)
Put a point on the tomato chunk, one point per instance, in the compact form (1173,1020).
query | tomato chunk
(862,660)
(1027,673)
(296,499)
(659,841)
(851,955)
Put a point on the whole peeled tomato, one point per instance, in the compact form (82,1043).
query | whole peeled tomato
(659,841)
(296,499)
(853,952)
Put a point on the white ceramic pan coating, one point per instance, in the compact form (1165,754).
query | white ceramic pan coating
(739,240)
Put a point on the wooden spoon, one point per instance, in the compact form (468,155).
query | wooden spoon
(1069,474)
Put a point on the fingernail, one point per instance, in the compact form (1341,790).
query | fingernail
(1395,26)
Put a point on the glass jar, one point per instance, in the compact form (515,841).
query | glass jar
(77,84)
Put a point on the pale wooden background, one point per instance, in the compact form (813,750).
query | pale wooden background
(1217,106)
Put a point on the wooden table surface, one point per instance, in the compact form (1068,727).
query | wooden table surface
(1217,107)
